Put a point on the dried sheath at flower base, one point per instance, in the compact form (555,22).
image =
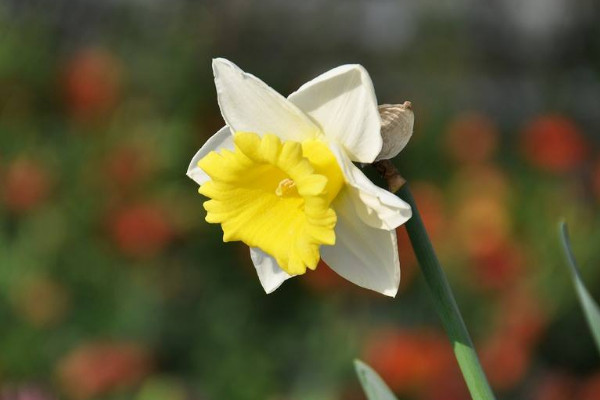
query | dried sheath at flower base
(397,122)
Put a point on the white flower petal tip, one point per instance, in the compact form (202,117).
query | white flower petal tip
(220,140)
(250,105)
(271,276)
(397,122)
(366,256)
(375,206)
(343,102)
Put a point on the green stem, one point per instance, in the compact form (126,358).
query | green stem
(445,303)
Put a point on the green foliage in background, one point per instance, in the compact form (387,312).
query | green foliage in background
(112,286)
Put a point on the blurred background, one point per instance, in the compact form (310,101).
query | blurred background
(112,286)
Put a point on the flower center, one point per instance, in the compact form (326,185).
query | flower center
(286,187)
(275,196)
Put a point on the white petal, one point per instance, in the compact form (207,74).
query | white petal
(250,105)
(375,206)
(269,273)
(343,102)
(220,140)
(363,255)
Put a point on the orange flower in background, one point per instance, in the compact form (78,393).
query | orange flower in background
(591,388)
(24,392)
(41,301)
(471,138)
(499,267)
(25,185)
(505,362)
(127,166)
(323,279)
(430,199)
(409,361)
(560,386)
(522,316)
(449,386)
(481,180)
(482,225)
(507,355)
(555,386)
(96,368)
(141,230)
(407,258)
(92,82)
(553,143)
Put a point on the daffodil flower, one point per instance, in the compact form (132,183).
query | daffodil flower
(280,178)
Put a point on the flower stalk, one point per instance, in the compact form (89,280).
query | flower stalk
(442,295)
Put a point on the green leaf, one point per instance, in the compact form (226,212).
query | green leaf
(374,387)
(589,305)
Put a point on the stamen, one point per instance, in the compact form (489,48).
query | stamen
(285,188)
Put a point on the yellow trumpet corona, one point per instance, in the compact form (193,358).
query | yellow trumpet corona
(274,195)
